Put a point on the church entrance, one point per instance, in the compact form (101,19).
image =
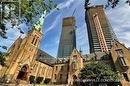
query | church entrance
(74,80)
(23,73)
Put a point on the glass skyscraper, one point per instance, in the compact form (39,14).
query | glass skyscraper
(68,38)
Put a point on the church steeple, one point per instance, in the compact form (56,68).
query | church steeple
(38,25)
(35,34)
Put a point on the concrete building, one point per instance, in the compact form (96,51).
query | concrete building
(67,38)
(100,33)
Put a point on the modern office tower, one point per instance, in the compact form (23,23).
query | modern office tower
(68,38)
(100,33)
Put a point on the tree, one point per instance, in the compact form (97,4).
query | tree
(2,58)
(98,70)
(22,11)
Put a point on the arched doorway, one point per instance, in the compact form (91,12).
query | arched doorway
(74,80)
(22,75)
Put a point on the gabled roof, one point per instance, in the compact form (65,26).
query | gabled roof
(116,41)
(75,51)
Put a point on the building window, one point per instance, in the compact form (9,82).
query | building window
(61,68)
(35,67)
(116,45)
(36,41)
(74,65)
(60,76)
(55,76)
(119,52)
(33,40)
(75,56)
(126,76)
(56,68)
(43,70)
(49,72)
(122,61)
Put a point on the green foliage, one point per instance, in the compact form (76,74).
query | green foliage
(2,31)
(30,9)
(99,70)
(26,11)
(2,58)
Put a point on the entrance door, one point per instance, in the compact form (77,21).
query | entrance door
(23,73)
(74,80)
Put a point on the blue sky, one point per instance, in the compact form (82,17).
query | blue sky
(118,17)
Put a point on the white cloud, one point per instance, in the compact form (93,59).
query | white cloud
(61,6)
(65,4)
(120,21)
(124,38)
(56,21)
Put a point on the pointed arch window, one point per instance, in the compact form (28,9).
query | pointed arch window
(33,40)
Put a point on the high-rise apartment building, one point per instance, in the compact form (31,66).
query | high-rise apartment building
(68,38)
(99,30)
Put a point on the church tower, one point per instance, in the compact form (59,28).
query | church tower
(23,54)
(75,65)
